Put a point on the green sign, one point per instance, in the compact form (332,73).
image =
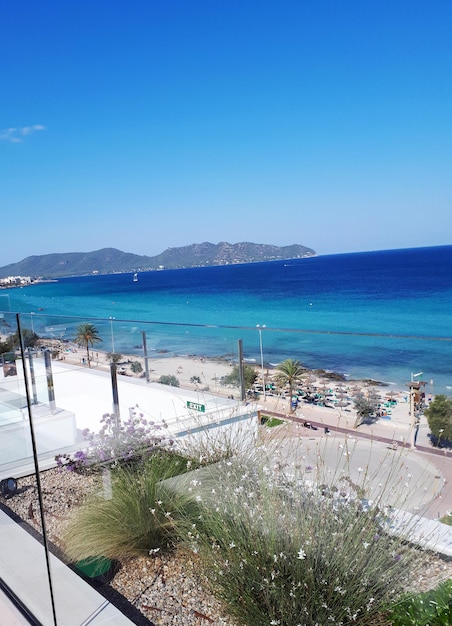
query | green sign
(196,407)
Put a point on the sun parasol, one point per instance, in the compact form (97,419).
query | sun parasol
(392,394)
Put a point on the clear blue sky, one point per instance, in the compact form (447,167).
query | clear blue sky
(143,125)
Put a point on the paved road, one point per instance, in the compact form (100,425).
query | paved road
(423,476)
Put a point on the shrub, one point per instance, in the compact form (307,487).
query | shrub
(136,520)
(116,441)
(195,379)
(277,552)
(136,367)
(249,376)
(170,380)
(431,608)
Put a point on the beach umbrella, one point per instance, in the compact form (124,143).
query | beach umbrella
(325,389)
(342,403)
(392,394)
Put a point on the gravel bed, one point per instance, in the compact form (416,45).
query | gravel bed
(168,590)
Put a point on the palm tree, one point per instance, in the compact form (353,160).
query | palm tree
(289,373)
(87,335)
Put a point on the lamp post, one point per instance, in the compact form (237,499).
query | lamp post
(259,328)
(112,335)
(32,325)
(416,406)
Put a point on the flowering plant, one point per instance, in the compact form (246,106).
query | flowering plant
(116,441)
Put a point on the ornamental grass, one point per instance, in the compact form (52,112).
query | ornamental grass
(134,516)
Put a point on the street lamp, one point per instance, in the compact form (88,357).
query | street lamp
(112,335)
(416,405)
(259,328)
(32,325)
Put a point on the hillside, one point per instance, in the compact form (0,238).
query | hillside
(111,260)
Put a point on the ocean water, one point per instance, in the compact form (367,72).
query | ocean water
(382,315)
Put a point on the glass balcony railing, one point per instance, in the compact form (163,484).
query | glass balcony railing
(144,385)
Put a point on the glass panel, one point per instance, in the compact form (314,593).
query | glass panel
(145,383)
(23,565)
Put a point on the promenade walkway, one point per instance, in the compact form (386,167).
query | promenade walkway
(387,433)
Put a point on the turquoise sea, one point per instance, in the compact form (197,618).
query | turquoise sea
(383,315)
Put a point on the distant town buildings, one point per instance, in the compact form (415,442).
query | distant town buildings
(15,281)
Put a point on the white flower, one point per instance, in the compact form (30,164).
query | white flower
(301,554)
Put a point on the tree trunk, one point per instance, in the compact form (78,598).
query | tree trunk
(290,398)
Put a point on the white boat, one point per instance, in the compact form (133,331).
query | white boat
(135,277)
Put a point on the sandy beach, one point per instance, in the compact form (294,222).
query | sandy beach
(201,374)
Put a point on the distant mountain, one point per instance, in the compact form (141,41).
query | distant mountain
(110,260)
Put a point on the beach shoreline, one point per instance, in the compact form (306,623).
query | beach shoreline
(333,393)
(206,374)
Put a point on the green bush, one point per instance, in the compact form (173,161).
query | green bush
(136,367)
(249,376)
(170,380)
(278,553)
(431,608)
